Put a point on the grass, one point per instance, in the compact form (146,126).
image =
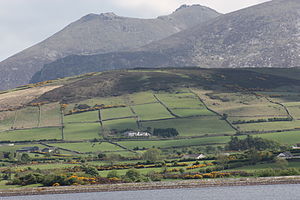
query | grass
(181,100)
(151,111)
(269,126)
(289,137)
(261,166)
(192,112)
(240,104)
(89,147)
(50,115)
(105,100)
(176,142)
(31,134)
(82,131)
(27,118)
(116,113)
(142,98)
(120,124)
(91,116)
(195,126)
(16,147)
(7,120)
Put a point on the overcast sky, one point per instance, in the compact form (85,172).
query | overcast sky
(26,22)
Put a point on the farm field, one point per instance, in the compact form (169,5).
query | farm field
(50,115)
(287,138)
(121,124)
(199,126)
(151,111)
(82,131)
(291,164)
(240,105)
(189,112)
(32,134)
(85,147)
(7,120)
(175,142)
(269,126)
(91,116)
(180,100)
(27,118)
(116,113)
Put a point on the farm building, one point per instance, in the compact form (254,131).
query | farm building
(136,134)
(193,156)
(286,155)
(49,150)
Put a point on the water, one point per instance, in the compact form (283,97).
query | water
(266,192)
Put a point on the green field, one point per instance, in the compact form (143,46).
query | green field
(289,137)
(31,134)
(84,147)
(142,98)
(269,126)
(82,131)
(180,100)
(176,143)
(199,126)
(91,116)
(120,124)
(116,113)
(151,111)
(184,112)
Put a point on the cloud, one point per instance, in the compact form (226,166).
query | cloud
(26,22)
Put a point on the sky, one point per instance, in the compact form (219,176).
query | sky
(24,23)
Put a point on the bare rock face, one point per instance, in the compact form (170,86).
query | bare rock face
(265,35)
(94,34)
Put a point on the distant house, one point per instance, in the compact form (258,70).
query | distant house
(285,155)
(193,156)
(48,150)
(28,149)
(136,134)
(297,146)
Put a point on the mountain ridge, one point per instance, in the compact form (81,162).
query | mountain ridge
(94,34)
(264,35)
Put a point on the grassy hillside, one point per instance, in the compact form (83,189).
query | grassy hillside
(205,106)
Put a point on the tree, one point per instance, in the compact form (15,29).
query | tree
(253,156)
(113,174)
(223,160)
(133,175)
(250,142)
(152,154)
(90,170)
(25,158)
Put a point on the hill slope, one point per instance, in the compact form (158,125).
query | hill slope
(102,33)
(202,104)
(265,35)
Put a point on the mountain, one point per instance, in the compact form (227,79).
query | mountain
(93,34)
(265,35)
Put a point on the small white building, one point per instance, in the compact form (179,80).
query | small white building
(194,156)
(285,155)
(136,134)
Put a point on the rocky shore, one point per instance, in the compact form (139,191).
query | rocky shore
(151,186)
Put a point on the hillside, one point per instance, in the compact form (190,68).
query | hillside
(87,120)
(101,33)
(192,100)
(265,35)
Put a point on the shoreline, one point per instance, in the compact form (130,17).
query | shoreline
(151,186)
